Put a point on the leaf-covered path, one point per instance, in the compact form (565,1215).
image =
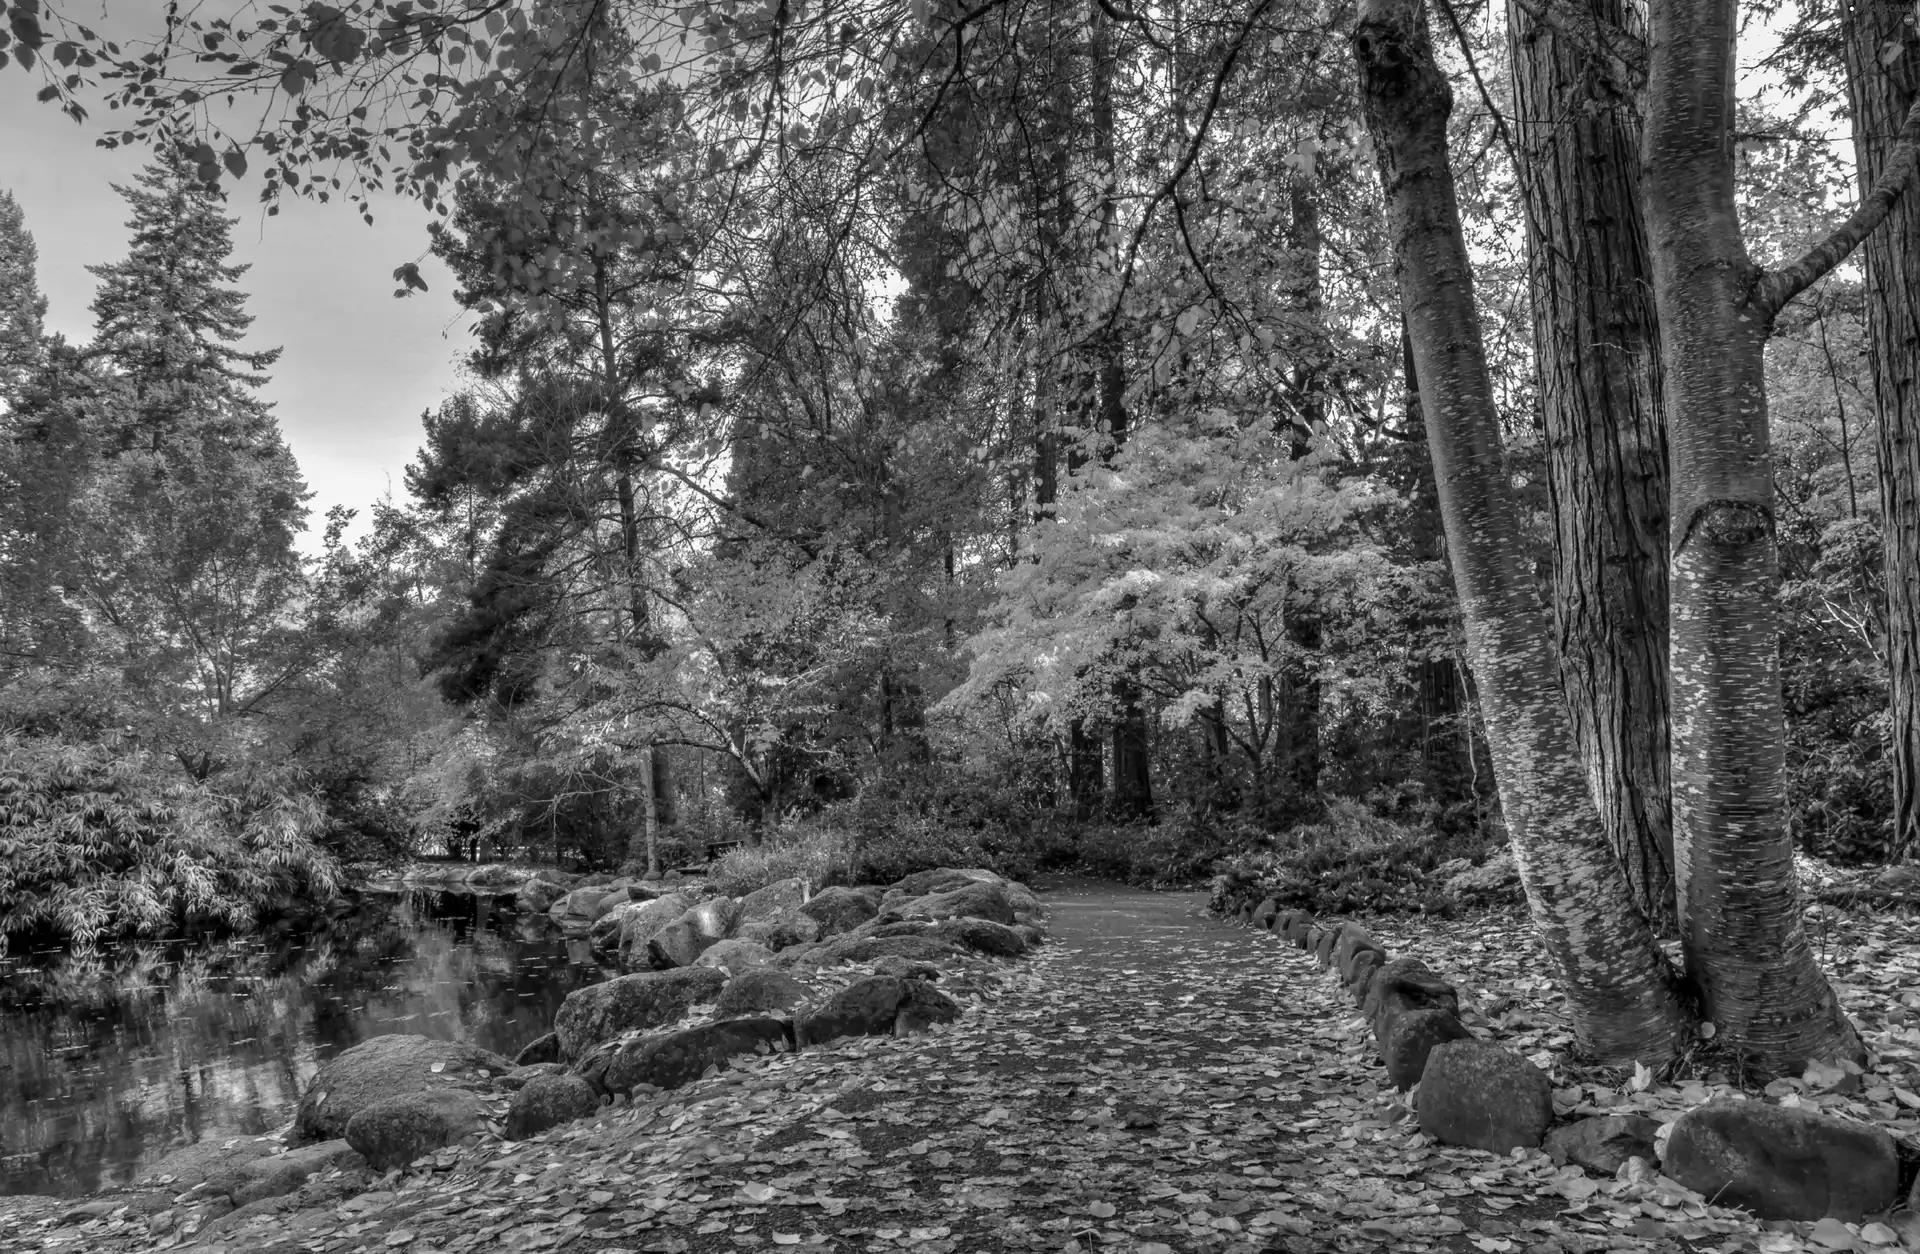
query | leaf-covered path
(1154,1080)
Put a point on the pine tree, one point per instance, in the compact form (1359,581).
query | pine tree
(22,307)
(189,563)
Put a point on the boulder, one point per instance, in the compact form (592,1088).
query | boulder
(1323,942)
(1359,979)
(757,991)
(539,1049)
(982,937)
(202,1161)
(667,1060)
(1031,934)
(941,879)
(576,909)
(520,1077)
(383,1067)
(839,909)
(1023,901)
(1408,1040)
(782,930)
(1264,913)
(1783,1162)
(537,896)
(648,999)
(734,956)
(1476,1094)
(609,901)
(678,944)
(779,896)
(973,901)
(1350,942)
(1603,1142)
(395,1131)
(905,968)
(867,949)
(547,1101)
(879,1005)
(277,1175)
(641,922)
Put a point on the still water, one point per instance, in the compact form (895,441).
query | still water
(109,1063)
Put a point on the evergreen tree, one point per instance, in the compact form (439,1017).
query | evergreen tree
(22,306)
(187,563)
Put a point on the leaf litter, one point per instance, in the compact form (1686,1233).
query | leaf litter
(1154,1082)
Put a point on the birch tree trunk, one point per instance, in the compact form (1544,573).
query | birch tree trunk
(1619,988)
(1738,895)
(1598,366)
(1883,82)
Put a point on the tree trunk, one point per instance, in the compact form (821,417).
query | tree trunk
(1598,367)
(1620,991)
(644,845)
(1738,896)
(1883,81)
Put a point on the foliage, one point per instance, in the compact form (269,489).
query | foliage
(1354,860)
(815,851)
(97,841)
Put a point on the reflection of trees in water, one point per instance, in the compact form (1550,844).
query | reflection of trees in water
(110,1060)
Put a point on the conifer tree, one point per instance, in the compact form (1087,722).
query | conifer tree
(22,307)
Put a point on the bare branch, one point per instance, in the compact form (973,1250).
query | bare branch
(1774,289)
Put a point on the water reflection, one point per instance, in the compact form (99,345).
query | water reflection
(108,1063)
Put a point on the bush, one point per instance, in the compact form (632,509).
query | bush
(811,851)
(103,839)
(1352,859)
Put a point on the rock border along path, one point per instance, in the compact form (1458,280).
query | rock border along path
(1150,1082)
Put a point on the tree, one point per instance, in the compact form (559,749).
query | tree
(1597,360)
(22,307)
(1882,49)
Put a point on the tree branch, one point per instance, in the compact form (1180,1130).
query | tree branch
(1774,289)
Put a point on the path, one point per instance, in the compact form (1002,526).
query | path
(1153,1081)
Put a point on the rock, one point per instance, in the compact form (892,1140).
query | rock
(982,937)
(668,1060)
(520,1077)
(1323,942)
(277,1175)
(1603,1142)
(1898,879)
(941,879)
(395,1131)
(383,1067)
(539,1049)
(1359,981)
(1783,1162)
(612,923)
(780,931)
(1476,1094)
(1300,930)
(202,1161)
(905,968)
(1409,1039)
(642,922)
(611,900)
(757,991)
(867,949)
(923,1007)
(1263,914)
(1350,942)
(537,896)
(678,944)
(1406,984)
(576,910)
(734,956)
(839,910)
(648,999)
(1031,934)
(1024,902)
(547,1101)
(781,895)
(873,1007)
(974,901)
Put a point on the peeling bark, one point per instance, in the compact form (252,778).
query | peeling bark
(1883,84)
(1620,990)
(1598,365)
(1738,895)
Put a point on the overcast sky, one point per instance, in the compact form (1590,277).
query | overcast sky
(358,367)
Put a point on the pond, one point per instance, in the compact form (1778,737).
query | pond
(110,1062)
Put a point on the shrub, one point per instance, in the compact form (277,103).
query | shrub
(1352,859)
(100,840)
(811,851)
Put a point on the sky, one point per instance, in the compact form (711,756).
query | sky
(358,366)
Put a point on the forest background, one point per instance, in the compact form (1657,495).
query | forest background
(890,439)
